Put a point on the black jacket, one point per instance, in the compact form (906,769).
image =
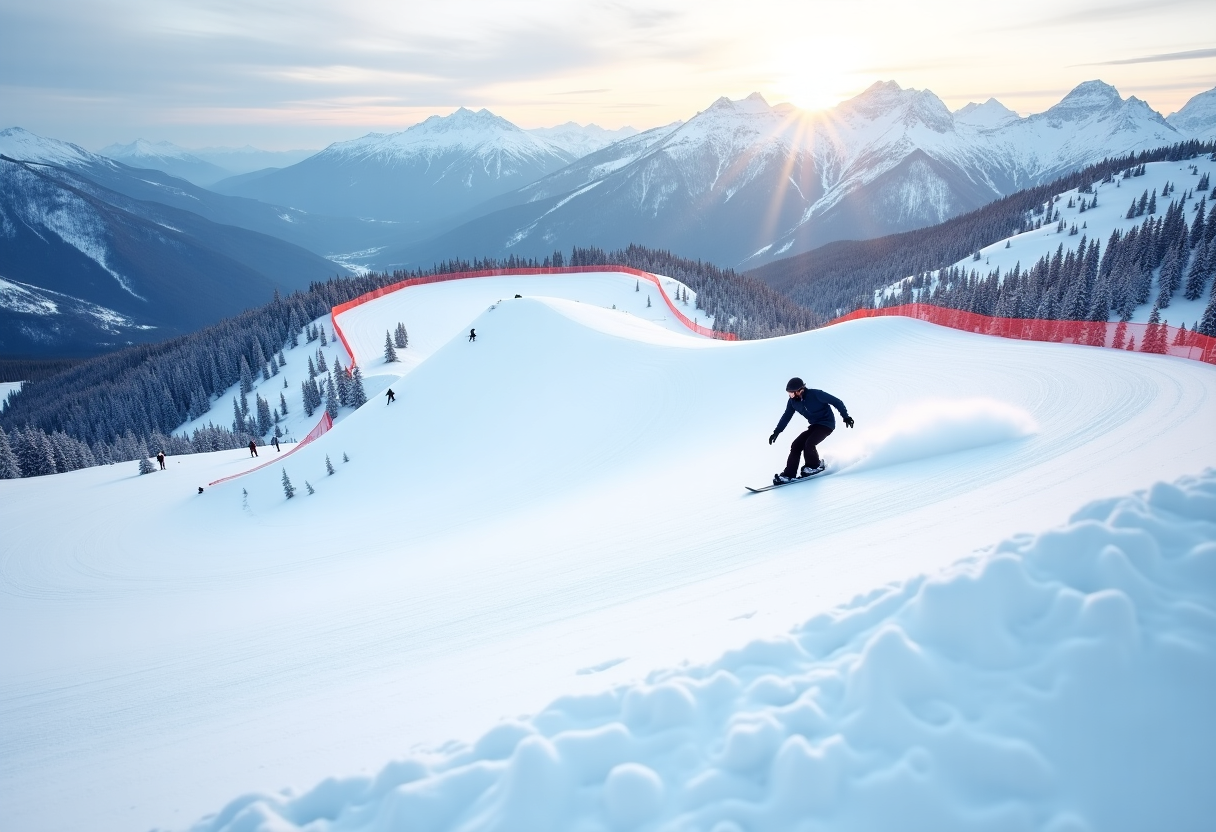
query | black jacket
(813,404)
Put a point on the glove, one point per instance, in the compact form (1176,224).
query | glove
(772,439)
(848,421)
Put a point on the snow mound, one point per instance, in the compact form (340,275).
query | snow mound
(934,427)
(1061,681)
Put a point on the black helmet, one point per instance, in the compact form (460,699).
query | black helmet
(794,385)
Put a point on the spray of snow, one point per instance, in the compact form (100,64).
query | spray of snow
(933,427)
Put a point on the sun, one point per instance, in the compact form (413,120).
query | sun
(813,77)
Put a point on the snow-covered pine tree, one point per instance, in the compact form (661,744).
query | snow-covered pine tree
(307,484)
(324,340)
(264,420)
(342,382)
(288,488)
(357,392)
(322,367)
(1207,324)
(145,465)
(238,418)
(329,466)
(274,368)
(282,359)
(331,398)
(345,458)
(648,301)
(283,403)
(312,368)
(306,398)
(390,354)
(246,376)
(9,469)
(401,338)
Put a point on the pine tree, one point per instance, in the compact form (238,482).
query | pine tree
(9,468)
(282,359)
(345,458)
(390,354)
(312,368)
(331,398)
(288,489)
(401,338)
(357,392)
(329,466)
(282,404)
(264,420)
(1207,324)
(238,418)
(246,377)
(146,466)
(322,367)
(324,342)
(306,398)
(307,484)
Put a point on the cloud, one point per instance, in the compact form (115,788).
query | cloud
(1189,55)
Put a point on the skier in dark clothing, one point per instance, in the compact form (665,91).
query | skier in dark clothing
(160,457)
(472,335)
(253,448)
(813,404)
(391,396)
(275,440)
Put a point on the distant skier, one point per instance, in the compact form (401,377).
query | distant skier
(813,404)
(160,457)
(391,396)
(472,335)
(275,440)
(253,448)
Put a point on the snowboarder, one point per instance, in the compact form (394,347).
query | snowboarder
(472,335)
(160,457)
(275,440)
(813,404)
(391,396)
(253,448)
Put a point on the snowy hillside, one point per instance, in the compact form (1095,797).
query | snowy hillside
(555,511)
(1197,118)
(1091,217)
(744,183)
(438,167)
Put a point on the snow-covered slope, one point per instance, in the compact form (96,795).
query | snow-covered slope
(444,165)
(744,183)
(1197,118)
(167,157)
(557,509)
(1095,224)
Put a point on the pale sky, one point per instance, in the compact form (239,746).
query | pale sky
(306,73)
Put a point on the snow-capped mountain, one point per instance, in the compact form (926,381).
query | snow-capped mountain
(326,236)
(167,157)
(442,166)
(578,140)
(744,182)
(1197,118)
(85,268)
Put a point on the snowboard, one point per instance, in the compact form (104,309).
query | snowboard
(791,482)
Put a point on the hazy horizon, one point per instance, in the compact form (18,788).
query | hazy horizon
(303,76)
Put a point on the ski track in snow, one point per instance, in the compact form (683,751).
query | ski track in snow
(564,493)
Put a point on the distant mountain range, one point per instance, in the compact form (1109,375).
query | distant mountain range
(743,183)
(84,268)
(204,166)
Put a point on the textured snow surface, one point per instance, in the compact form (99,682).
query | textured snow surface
(17,143)
(557,510)
(1062,681)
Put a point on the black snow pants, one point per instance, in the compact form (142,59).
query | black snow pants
(804,443)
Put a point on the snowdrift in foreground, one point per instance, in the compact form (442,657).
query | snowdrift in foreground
(1059,682)
(934,427)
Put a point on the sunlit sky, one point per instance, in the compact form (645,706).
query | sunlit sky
(305,73)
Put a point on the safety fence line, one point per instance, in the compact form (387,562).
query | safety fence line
(559,270)
(322,427)
(1160,339)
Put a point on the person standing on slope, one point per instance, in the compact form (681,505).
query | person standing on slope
(472,335)
(253,448)
(813,404)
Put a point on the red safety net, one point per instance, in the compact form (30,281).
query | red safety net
(443,278)
(1154,338)
(321,428)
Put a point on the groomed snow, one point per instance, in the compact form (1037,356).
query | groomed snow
(558,510)
(1059,682)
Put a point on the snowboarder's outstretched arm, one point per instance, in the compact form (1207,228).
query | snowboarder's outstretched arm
(828,398)
(785,420)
